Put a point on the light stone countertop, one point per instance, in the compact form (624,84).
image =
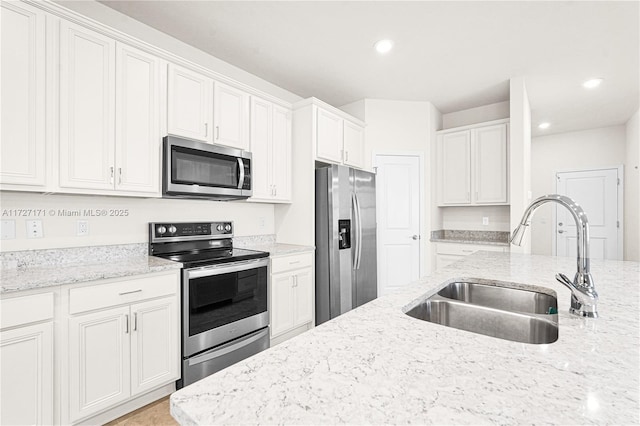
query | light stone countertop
(279,249)
(20,279)
(376,365)
(477,242)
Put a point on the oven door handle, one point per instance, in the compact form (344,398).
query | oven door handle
(230,347)
(226,268)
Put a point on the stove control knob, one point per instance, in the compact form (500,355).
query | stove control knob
(227,227)
(161,229)
(172,229)
(220,228)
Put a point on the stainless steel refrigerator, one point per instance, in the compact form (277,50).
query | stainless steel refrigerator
(346,265)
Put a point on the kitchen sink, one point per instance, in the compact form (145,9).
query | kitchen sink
(492,308)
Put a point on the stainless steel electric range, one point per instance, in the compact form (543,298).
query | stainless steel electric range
(224,295)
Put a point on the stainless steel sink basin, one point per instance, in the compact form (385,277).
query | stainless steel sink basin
(494,309)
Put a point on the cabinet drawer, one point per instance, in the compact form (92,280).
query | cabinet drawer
(466,249)
(26,309)
(286,263)
(104,295)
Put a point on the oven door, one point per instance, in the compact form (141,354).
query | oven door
(223,302)
(198,169)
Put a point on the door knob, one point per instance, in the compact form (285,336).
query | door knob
(415,237)
(560,231)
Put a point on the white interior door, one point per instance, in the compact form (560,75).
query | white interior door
(597,192)
(398,201)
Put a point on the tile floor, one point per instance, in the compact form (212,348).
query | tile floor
(156,413)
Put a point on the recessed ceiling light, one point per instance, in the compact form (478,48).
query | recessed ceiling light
(544,125)
(592,83)
(383,46)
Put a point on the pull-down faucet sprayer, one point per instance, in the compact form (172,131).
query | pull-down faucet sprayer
(584,298)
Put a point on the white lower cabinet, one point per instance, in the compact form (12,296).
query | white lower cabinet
(26,360)
(291,295)
(448,253)
(120,352)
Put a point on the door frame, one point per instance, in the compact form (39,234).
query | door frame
(620,171)
(423,247)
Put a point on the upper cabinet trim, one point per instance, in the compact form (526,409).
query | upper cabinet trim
(473,126)
(118,35)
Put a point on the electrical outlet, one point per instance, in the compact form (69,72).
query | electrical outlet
(34,229)
(82,228)
(8,230)
(485,221)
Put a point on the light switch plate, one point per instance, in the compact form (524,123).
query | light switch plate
(8,230)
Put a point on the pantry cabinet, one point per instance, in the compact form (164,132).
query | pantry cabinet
(109,114)
(123,341)
(271,151)
(26,351)
(23,148)
(473,165)
(291,294)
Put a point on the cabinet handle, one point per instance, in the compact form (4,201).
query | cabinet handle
(135,321)
(119,175)
(293,263)
(467,251)
(275,190)
(295,281)
(126,323)
(206,129)
(217,132)
(346,156)
(111,174)
(130,292)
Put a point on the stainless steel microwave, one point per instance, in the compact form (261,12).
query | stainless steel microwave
(194,169)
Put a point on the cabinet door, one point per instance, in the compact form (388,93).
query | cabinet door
(137,121)
(26,375)
(490,164)
(189,106)
(87,106)
(155,346)
(281,157)
(261,131)
(98,361)
(329,137)
(455,167)
(22,151)
(353,145)
(231,116)
(282,314)
(303,297)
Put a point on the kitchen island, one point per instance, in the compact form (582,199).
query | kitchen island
(377,365)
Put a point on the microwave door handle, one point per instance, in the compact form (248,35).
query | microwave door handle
(241,173)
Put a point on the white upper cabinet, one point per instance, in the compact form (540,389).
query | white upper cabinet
(230,116)
(330,136)
(137,121)
(491,162)
(189,104)
(338,140)
(22,151)
(353,145)
(87,108)
(271,151)
(109,114)
(473,165)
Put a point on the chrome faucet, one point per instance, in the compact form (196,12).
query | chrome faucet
(584,298)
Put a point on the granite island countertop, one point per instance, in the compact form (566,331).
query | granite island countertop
(377,365)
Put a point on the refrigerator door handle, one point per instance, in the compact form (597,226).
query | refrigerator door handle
(358,226)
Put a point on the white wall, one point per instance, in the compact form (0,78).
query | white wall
(60,230)
(572,151)
(632,189)
(476,115)
(519,156)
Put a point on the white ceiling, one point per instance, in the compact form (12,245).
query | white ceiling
(457,55)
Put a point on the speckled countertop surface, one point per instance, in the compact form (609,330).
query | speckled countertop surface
(376,365)
(279,249)
(30,270)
